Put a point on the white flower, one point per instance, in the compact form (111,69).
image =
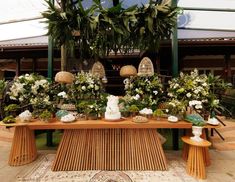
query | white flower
(97,87)
(136,97)
(176,85)
(146,111)
(155,92)
(198,106)
(63,95)
(188,95)
(196,91)
(204,84)
(215,102)
(170,94)
(83,88)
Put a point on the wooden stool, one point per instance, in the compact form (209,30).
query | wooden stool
(195,163)
(185,149)
(23,149)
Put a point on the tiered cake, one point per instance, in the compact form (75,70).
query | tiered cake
(112,110)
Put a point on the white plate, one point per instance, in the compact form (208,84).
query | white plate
(213,123)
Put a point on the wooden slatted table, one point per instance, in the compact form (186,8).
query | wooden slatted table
(105,145)
(98,144)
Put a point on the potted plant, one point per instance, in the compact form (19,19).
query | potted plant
(9,119)
(134,110)
(198,123)
(45,116)
(158,113)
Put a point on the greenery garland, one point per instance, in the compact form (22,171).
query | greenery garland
(103,30)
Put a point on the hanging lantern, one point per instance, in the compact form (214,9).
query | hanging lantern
(127,71)
(64,77)
(145,67)
(98,69)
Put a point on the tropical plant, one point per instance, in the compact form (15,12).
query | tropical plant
(3,84)
(103,30)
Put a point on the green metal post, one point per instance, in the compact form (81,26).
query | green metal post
(174,48)
(50,56)
(50,77)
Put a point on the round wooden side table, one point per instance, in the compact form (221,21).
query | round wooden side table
(195,163)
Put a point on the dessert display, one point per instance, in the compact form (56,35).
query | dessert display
(112,110)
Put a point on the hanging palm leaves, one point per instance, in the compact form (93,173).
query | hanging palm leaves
(103,30)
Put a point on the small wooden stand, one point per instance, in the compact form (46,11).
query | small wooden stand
(195,163)
(205,150)
(23,150)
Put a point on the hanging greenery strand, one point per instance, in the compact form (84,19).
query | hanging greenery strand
(103,30)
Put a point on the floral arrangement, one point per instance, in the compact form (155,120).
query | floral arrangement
(176,107)
(32,90)
(196,90)
(189,87)
(87,86)
(145,92)
(28,88)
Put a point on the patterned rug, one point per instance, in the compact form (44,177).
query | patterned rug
(41,172)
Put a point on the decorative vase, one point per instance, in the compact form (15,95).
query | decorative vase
(197,131)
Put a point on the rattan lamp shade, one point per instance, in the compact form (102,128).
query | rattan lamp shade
(145,67)
(127,71)
(64,77)
(98,69)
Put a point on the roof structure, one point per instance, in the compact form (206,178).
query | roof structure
(21,21)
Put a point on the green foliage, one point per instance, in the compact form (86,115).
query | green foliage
(45,115)
(11,108)
(9,119)
(133,108)
(158,113)
(103,30)
(145,91)
(86,86)
(3,84)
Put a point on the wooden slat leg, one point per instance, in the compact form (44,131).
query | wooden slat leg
(23,150)
(117,149)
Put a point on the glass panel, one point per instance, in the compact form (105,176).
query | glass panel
(207,20)
(215,4)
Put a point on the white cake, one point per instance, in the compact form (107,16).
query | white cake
(112,110)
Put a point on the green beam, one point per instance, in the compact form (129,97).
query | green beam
(50,56)
(174,47)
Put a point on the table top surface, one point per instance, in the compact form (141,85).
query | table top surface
(203,143)
(36,124)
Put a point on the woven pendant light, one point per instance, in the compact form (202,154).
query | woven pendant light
(98,69)
(64,77)
(127,71)
(145,67)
